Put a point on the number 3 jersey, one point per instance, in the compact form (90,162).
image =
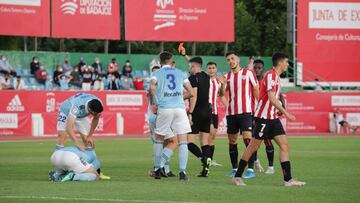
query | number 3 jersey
(169,87)
(76,105)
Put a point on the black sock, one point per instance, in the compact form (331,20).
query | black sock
(269,151)
(255,155)
(99,171)
(212,148)
(286,170)
(252,158)
(233,152)
(193,148)
(241,168)
(206,152)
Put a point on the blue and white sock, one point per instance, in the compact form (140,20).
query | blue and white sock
(84,177)
(183,155)
(165,156)
(167,167)
(157,150)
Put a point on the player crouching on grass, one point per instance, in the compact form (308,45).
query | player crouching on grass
(267,123)
(73,113)
(72,164)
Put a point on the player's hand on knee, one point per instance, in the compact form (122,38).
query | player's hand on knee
(89,142)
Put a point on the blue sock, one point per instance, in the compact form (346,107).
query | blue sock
(157,150)
(165,156)
(84,177)
(183,155)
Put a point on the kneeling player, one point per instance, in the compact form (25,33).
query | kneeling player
(268,124)
(72,164)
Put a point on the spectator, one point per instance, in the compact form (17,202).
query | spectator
(113,83)
(127,69)
(75,77)
(34,65)
(57,72)
(66,66)
(138,83)
(5,66)
(341,123)
(94,75)
(99,83)
(41,75)
(49,83)
(64,82)
(153,63)
(19,83)
(81,63)
(97,65)
(113,68)
(87,79)
(126,83)
(5,83)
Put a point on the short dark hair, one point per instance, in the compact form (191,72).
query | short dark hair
(231,52)
(211,63)
(196,59)
(259,61)
(96,105)
(155,68)
(277,57)
(113,59)
(165,57)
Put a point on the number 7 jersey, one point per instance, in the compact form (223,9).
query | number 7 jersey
(169,87)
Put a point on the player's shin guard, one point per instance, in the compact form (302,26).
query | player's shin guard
(233,152)
(183,156)
(84,177)
(157,150)
(269,151)
(241,168)
(165,156)
(286,170)
(194,149)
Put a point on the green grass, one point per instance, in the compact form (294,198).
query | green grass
(330,166)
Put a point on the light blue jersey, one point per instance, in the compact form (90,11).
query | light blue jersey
(76,105)
(89,155)
(169,88)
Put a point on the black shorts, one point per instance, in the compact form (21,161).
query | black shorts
(242,122)
(267,129)
(215,120)
(201,121)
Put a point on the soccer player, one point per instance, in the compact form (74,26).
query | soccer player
(241,85)
(269,147)
(72,164)
(73,113)
(172,123)
(215,86)
(268,124)
(156,148)
(342,123)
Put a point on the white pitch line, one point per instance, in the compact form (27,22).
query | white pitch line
(91,199)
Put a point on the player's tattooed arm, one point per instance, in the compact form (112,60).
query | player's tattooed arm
(274,101)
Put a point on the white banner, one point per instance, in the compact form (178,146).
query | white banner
(21,2)
(334,15)
(124,100)
(8,120)
(353,118)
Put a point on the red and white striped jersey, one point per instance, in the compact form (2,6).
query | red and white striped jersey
(240,89)
(254,101)
(270,82)
(213,94)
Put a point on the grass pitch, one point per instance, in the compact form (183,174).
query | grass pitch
(330,166)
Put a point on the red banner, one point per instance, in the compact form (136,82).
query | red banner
(86,19)
(176,20)
(25,17)
(328,39)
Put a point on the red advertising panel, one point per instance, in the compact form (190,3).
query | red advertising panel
(25,17)
(86,19)
(328,39)
(178,20)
